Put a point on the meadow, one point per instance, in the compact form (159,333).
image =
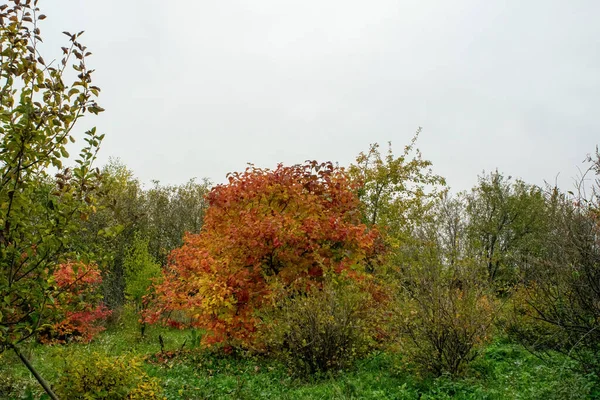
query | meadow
(505,370)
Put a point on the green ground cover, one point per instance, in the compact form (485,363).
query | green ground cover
(504,371)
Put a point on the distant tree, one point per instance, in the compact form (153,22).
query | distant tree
(171,211)
(110,230)
(160,215)
(140,268)
(450,224)
(506,226)
(38,213)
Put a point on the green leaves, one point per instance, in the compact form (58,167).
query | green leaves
(396,193)
(507,223)
(38,211)
(140,269)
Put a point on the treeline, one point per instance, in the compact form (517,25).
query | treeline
(439,274)
(133,224)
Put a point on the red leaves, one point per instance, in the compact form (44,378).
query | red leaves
(78,307)
(285,227)
(77,276)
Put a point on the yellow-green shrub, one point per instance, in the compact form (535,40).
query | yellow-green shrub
(140,269)
(98,376)
(324,329)
(444,318)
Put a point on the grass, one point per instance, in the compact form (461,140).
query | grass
(504,371)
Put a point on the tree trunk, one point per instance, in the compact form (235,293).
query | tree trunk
(39,378)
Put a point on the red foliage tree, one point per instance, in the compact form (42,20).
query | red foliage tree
(78,309)
(264,230)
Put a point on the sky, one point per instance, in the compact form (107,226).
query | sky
(201,88)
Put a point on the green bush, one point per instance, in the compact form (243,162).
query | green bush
(445,317)
(140,268)
(13,386)
(98,376)
(325,329)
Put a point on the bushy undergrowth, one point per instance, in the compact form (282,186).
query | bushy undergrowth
(444,317)
(327,328)
(78,311)
(576,337)
(99,376)
(503,371)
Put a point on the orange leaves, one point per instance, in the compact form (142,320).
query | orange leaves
(77,276)
(78,307)
(287,227)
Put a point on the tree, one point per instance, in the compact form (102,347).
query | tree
(38,111)
(450,225)
(161,215)
(107,233)
(171,211)
(396,193)
(265,233)
(505,225)
(140,268)
(445,307)
(558,308)
(393,188)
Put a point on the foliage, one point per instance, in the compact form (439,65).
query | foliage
(393,188)
(445,311)
(128,213)
(98,376)
(506,227)
(446,317)
(38,111)
(559,308)
(78,307)
(12,387)
(170,212)
(140,269)
(324,329)
(450,224)
(504,371)
(289,226)
(396,192)
(446,306)
(109,231)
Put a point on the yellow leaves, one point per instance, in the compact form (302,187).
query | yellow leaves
(266,231)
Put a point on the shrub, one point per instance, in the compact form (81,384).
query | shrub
(12,386)
(288,225)
(544,323)
(558,308)
(324,329)
(445,319)
(98,376)
(140,268)
(78,310)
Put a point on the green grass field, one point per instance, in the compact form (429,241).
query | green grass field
(504,371)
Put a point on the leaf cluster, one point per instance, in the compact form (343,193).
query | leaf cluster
(38,211)
(286,227)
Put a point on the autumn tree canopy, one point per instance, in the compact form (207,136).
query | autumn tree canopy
(265,232)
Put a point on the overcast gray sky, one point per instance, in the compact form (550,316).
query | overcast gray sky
(200,88)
